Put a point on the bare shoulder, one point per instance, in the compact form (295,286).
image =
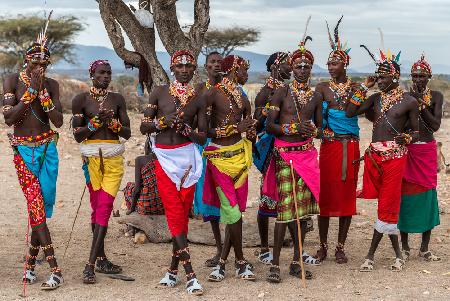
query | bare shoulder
(437,95)
(409,99)
(10,81)
(79,99)
(322,85)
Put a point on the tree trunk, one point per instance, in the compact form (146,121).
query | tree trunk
(117,16)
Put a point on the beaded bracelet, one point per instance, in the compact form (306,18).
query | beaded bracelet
(6,108)
(9,96)
(275,108)
(408,138)
(94,124)
(146,120)
(159,123)
(226,131)
(46,101)
(290,128)
(29,95)
(186,131)
(114,125)
(152,106)
(358,97)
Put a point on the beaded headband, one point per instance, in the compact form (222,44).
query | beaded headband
(421,67)
(95,64)
(183,57)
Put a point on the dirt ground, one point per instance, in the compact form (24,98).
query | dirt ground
(147,263)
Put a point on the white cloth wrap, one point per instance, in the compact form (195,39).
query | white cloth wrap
(108,149)
(176,162)
(386,228)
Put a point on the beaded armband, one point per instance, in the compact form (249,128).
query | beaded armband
(160,124)
(29,95)
(359,96)
(146,120)
(46,101)
(7,96)
(94,124)
(6,108)
(408,138)
(290,128)
(114,125)
(275,108)
(226,131)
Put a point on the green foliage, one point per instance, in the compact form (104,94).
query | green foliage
(17,33)
(225,40)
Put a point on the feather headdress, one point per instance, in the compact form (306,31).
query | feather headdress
(339,51)
(302,52)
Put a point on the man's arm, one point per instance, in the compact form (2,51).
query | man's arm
(147,124)
(413,116)
(55,115)
(274,113)
(81,131)
(198,137)
(247,114)
(365,107)
(433,119)
(318,116)
(124,131)
(260,108)
(13,109)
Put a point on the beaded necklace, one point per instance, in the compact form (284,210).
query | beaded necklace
(425,98)
(342,91)
(98,94)
(182,93)
(301,94)
(387,101)
(274,83)
(234,95)
(208,84)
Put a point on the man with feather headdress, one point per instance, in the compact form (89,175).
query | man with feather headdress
(30,103)
(339,148)
(394,114)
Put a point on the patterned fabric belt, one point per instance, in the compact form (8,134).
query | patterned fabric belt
(298,148)
(393,153)
(32,141)
(338,137)
(225,154)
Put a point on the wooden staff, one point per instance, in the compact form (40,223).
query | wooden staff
(299,235)
(73,224)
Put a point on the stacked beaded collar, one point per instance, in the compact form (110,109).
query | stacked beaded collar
(99,94)
(274,83)
(181,92)
(301,93)
(341,91)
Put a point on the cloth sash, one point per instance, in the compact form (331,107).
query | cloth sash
(110,148)
(43,162)
(263,146)
(305,163)
(182,163)
(421,166)
(338,122)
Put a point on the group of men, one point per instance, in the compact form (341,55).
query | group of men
(205,139)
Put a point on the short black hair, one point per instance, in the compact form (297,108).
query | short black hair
(209,54)
(271,60)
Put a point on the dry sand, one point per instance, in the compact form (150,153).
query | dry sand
(147,263)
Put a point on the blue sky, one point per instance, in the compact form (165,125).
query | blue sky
(413,26)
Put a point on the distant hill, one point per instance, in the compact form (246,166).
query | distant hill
(86,54)
(405,68)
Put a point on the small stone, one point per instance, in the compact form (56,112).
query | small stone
(339,286)
(438,239)
(140,238)
(261,295)
(426,293)
(426,272)
(363,213)
(67,157)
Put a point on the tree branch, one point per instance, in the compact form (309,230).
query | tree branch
(201,21)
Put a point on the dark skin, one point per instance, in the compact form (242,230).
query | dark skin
(338,72)
(31,126)
(194,110)
(281,72)
(213,70)
(288,113)
(401,114)
(242,117)
(429,122)
(113,107)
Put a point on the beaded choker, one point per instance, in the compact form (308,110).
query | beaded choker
(181,92)
(98,94)
(341,91)
(274,83)
(390,98)
(24,78)
(425,98)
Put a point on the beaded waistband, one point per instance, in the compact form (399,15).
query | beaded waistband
(388,152)
(225,154)
(32,140)
(296,148)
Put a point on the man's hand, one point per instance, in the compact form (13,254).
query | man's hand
(307,128)
(245,125)
(403,139)
(370,81)
(173,119)
(36,78)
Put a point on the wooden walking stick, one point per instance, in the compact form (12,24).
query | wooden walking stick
(73,224)
(299,235)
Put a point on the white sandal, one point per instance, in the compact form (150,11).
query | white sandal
(398,265)
(429,256)
(367,266)
(244,272)
(265,257)
(309,260)
(53,282)
(217,275)
(30,276)
(169,280)
(193,287)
